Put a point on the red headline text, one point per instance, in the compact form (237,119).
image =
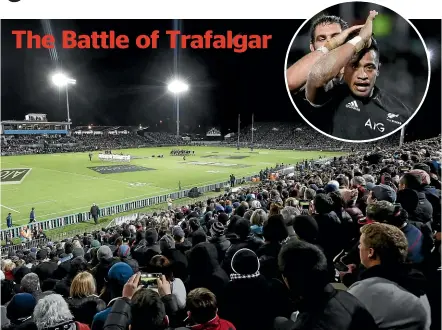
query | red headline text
(239,43)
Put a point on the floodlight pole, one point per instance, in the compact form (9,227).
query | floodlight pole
(67,107)
(177,104)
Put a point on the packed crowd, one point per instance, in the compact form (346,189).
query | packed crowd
(301,137)
(351,243)
(28,144)
(265,135)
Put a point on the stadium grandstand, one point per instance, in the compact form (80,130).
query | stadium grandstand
(232,249)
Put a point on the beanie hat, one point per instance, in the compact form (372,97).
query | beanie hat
(124,250)
(151,236)
(120,272)
(78,252)
(219,208)
(104,252)
(425,177)
(21,307)
(178,231)
(330,188)
(242,228)
(217,229)
(383,192)
(306,228)
(228,209)
(245,264)
(95,243)
(42,254)
(166,243)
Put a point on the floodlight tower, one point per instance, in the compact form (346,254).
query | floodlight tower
(61,80)
(177,87)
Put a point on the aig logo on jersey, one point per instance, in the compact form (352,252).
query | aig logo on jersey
(391,118)
(375,126)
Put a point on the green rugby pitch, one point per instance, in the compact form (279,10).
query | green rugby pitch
(63,184)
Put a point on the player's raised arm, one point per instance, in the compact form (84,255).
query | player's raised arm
(329,65)
(297,73)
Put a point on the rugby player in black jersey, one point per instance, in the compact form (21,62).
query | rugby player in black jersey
(340,89)
(327,33)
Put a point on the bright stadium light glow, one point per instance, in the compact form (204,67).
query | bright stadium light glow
(177,87)
(61,80)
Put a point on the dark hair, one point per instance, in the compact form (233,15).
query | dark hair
(412,181)
(325,20)
(304,266)
(323,203)
(68,247)
(274,229)
(201,303)
(148,311)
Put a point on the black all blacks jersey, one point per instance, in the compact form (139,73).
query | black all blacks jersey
(345,116)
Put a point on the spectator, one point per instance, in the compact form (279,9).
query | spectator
(83,301)
(202,310)
(393,295)
(320,306)
(52,311)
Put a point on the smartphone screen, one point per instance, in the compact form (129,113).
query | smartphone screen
(304,204)
(149,280)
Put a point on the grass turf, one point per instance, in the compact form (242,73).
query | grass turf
(63,184)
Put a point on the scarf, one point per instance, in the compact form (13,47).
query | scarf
(235,276)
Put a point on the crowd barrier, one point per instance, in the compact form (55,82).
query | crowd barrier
(25,244)
(71,219)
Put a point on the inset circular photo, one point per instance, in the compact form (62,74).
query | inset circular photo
(357,71)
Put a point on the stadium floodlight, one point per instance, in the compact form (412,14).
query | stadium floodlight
(61,80)
(177,87)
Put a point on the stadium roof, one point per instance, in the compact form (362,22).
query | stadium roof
(24,122)
(103,128)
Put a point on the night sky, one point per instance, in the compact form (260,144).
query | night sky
(128,87)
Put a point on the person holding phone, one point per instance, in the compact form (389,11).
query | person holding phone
(142,308)
(163,266)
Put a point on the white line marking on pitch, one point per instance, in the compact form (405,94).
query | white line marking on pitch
(37,203)
(82,175)
(9,208)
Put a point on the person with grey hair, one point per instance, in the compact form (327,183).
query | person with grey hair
(30,283)
(257,221)
(53,312)
(369,178)
(309,194)
(358,181)
(289,213)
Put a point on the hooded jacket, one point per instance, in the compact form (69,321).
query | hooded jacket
(329,310)
(205,271)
